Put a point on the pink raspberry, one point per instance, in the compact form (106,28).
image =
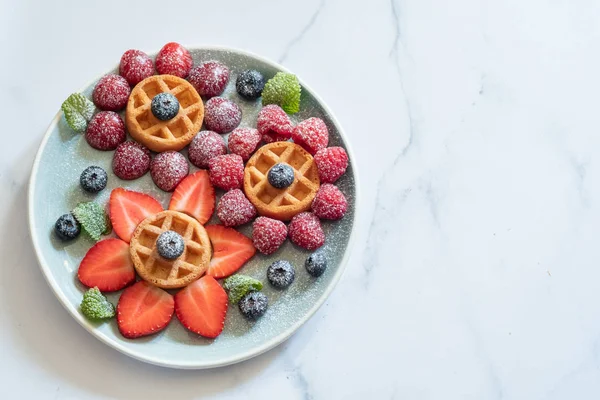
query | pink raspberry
(135,66)
(235,209)
(312,134)
(221,115)
(209,78)
(168,169)
(131,160)
(226,171)
(332,163)
(268,234)
(274,124)
(204,146)
(329,203)
(105,131)
(111,93)
(305,231)
(174,59)
(243,141)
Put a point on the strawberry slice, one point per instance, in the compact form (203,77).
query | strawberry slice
(107,265)
(128,208)
(144,309)
(201,307)
(231,250)
(195,196)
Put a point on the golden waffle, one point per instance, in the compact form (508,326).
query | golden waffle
(281,204)
(170,274)
(158,135)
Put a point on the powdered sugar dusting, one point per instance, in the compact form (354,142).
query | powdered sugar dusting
(243,142)
(274,124)
(235,209)
(111,93)
(209,78)
(135,66)
(204,146)
(329,203)
(131,160)
(312,134)
(105,131)
(331,163)
(305,231)
(226,171)
(174,59)
(221,115)
(268,234)
(168,169)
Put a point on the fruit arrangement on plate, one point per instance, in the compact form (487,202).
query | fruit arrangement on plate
(276,176)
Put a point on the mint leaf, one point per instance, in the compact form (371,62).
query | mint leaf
(240,285)
(95,306)
(92,218)
(284,90)
(78,111)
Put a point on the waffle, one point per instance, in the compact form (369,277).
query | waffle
(158,135)
(170,274)
(281,204)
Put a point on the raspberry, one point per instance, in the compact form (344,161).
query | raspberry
(226,171)
(329,203)
(204,146)
(131,160)
(105,131)
(174,59)
(235,209)
(274,124)
(209,78)
(311,134)
(268,234)
(111,93)
(305,231)
(221,115)
(168,169)
(135,66)
(332,163)
(244,142)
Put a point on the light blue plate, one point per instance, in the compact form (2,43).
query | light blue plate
(54,190)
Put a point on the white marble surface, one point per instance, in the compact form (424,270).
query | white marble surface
(475,125)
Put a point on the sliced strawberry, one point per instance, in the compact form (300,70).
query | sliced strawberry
(144,309)
(195,196)
(107,265)
(201,307)
(128,209)
(231,250)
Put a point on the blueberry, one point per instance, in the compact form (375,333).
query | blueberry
(67,227)
(316,264)
(164,106)
(250,84)
(93,179)
(170,245)
(281,274)
(254,305)
(281,176)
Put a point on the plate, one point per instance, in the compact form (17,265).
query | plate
(54,190)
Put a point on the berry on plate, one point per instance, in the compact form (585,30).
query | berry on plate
(268,234)
(281,175)
(240,285)
(93,179)
(209,78)
(107,266)
(168,169)
(227,171)
(111,93)
(305,231)
(170,245)
(135,66)
(231,250)
(284,90)
(204,146)
(95,306)
(164,106)
(316,264)
(67,227)
(221,115)
(274,124)
(243,142)
(254,305)
(105,131)
(235,209)
(250,84)
(174,59)
(329,203)
(78,111)
(312,134)
(93,219)
(131,160)
(332,163)
(194,196)
(143,310)
(201,307)
(281,274)
(128,208)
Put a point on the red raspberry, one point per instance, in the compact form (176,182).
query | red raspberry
(221,115)
(105,131)
(268,234)
(131,160)
(174,59)
(274,124)
(329,203)
(244,142)
(332,163)
(305,231)
(204,146)
(111,93)
(312,134)
(226,171)
(209,78)
(135,66)
(168,169)
(235,209)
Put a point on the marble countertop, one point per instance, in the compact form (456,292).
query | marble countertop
(475,273)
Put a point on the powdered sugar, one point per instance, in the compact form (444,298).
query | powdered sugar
(244,142)
(135,66)
(268,234)
(235,209)
(274,124)
(312,134)
(111,93)
(204,146)
(305,231)
(329,203)
(209,78)
(168,169)
(174,59)
(105,131)
(221,115)
(226,171)
(131,160)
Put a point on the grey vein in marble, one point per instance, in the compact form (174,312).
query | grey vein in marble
(302,33)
